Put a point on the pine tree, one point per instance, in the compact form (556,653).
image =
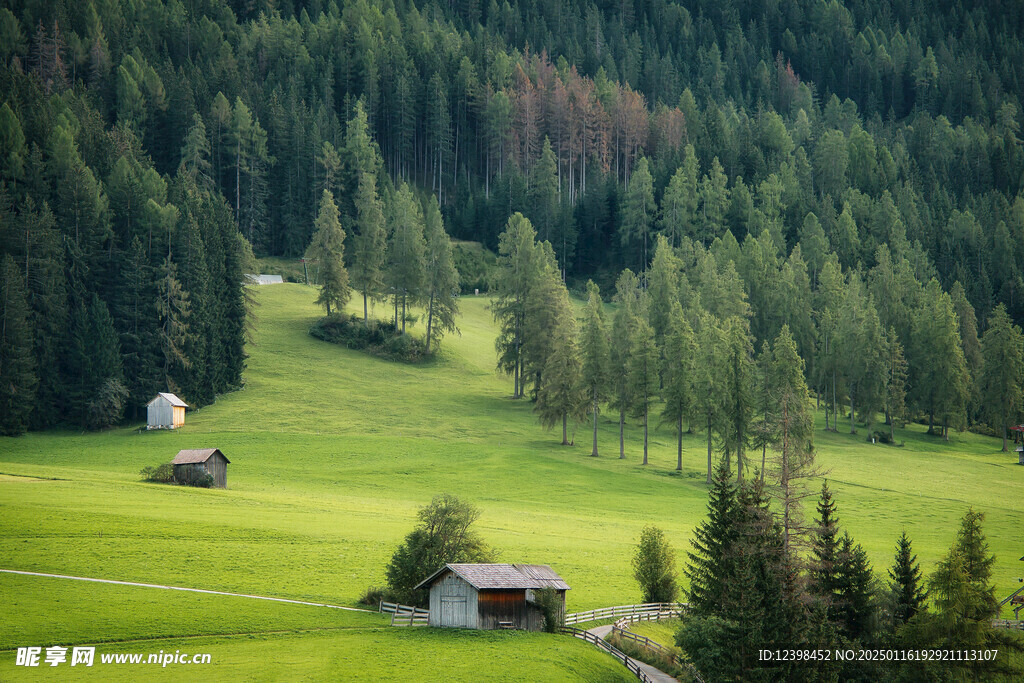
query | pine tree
(195,155)
(17,364)
(105,404)
(518,267)
(596,358)
(855,599)
(560,394)
(1002,380)
(738,384)
(442,278)
(711,564)
(406,252)
(663,287)
(629,300)
(905,585)
(328,249)
(895,381)
(173,312)
(709,378)
(826,548)
(370,243)
(940,380)
(679,204)
(678,391)
(13,151)
(642,372)
(639,211)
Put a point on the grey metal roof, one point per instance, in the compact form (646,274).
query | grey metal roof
(502,576)
(260,279)
(174,400)
(193,455)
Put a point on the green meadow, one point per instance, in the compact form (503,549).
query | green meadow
(332,452)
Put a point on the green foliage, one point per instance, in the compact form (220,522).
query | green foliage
(161,474)
(654,567)
(443,535)
(442,279)
(374,337)
(328,250)
(595,354)
(550,604)
(17,365)
(1002,381)
(906,586)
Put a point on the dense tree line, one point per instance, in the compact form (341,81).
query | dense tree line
(750,591)
(891,125)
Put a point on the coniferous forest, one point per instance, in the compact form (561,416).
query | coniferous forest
(851,171)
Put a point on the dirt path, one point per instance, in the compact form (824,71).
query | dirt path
(189,590)
(654,674)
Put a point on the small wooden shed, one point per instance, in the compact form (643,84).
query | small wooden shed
(490,596)
(166,411)
(191,465)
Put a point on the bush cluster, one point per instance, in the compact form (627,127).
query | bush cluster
(374,336)
(162,474)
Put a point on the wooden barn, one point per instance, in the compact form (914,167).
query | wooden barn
(490,596)
(191,465)
(166,411)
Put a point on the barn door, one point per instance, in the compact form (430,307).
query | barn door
(453,611)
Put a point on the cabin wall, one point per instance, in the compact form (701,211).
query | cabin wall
(496,606)
(453,603)
(159,414)
(177,416)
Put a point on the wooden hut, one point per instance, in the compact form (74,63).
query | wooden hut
(191,465)
(166,411)
(490,596)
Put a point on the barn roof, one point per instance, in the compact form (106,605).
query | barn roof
(193,455)
(509,576)
(174,400)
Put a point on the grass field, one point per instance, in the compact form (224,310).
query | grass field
(331,454)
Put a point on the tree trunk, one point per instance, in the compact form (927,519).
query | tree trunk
(622,431)
(892,430)
(853,427)
(679,447)
(403,313)
(645,438)
(594,452)
(565,435)
(365,310)
(709,449)
(430,319)
(1004,437)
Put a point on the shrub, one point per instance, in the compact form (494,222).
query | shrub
(204,482)
(374,595)
(549,603)
(654,567)
(162,474)
(374,337)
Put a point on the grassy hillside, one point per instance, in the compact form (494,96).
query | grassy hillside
(332,452)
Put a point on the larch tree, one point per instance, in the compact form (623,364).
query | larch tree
(709,380)
(596,358)
(442,278)
(642,373)
(738,385)
(519,264)
(678,371)
(678,214)
(894,364)
(406,253)
(663,287)
(630,302)
(1002,380)
(560,390)
(370,242)
(327,248)
(940,382)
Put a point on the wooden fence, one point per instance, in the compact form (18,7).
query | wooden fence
(667,609)
(619,628)
(1008,623)
(405,615)
(610,649)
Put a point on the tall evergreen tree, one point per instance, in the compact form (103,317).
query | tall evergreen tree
(678,368)
(596,358)
(1002,380)
(17,364)
(630,302)
(442,278)
(560,394)
(406,252)
(519,265)
(328,249)
(639,212)
(905,584)
(642,372)
(708,381)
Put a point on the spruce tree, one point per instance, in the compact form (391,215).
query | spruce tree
(519,265)
(678,370)
(895,381)
(370,242)
(17,364)
(442,278)
(642,373)
(711,564)
(854,599)
(173,312)
(905,585)
(826,547)
(560,395)
(596,359)
(328,249)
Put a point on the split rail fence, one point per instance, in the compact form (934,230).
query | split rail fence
(610,649)
(405,615)
(663,610)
